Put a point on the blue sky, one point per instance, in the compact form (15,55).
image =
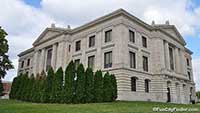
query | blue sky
(26,19)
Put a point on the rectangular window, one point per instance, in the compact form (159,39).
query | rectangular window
(145,63)
(91,61)
(132,60)
(92,41)
(132,36)
(171,56)
(69,48)
(108,59)
(189,75)
(144,41)
(49,57)
(147,86)
(78,45)
(77,62)
(108,36)
(28,62)
(188,62)
(133,83)
(22,64)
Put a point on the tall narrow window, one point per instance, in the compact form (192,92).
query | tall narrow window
(132,60)
(108,59)
(145,63)
(132,36)
(78,45)
(188,62)
(77,62)
(144,41)
(133,83)
(92,41)
(28,62)
(69,48)
(22,64)
(108,36)
(171,55)
(91,61)
(48,60)
(146,85)
(189,75)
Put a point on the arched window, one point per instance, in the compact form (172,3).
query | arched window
(147,85)
(133,83)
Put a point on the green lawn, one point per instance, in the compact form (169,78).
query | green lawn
(12,106)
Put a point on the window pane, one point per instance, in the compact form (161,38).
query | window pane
(131,36)
(132,60)
(78,45)
(144,41)
(28,62)
(107,59)
(91,41)
(145,63)
(133,83)
(91,62)
(146,86)
(108,35)
(171,55)
(77,62)
(48,61)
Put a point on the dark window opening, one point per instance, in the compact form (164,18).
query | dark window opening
(108,59)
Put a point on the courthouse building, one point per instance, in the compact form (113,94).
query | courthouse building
(150,62)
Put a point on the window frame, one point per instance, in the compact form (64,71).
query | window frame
(109,63)
(93,64)
(147,85)
(145,64)
(134,84)
(28,62)
(171,58)
(78,48)
(108,39)
(91,42)
(144,41)
(48,65)
(22,64)
(131,33)
(132,55)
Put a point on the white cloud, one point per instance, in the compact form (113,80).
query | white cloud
(196,72)
(24,23)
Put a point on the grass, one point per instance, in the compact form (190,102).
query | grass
(12,106)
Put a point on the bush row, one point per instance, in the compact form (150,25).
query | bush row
(77,86)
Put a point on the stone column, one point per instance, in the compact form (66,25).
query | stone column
(42,61)
(54,55)
(35,63)
(60,51)
(183,63)
(167,62)
(177,60)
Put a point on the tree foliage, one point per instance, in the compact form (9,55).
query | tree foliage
(98,87)
(1,88)
(89,85)
(79,86)
(5,63)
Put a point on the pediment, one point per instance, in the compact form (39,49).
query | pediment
(171,29)
(46,34)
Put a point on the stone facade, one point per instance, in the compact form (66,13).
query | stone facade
(162,63)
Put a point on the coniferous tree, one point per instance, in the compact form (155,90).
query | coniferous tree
(89,85)
(26,90)
(107,88)
(98,87)
(48,86)
(114,87)
(58,86)
(1,88)
(69,87)
(21,86)
(80,85)
(42,86)
(32,89)
(15,87)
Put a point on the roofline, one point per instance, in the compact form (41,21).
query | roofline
(25,52)
(188,51)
